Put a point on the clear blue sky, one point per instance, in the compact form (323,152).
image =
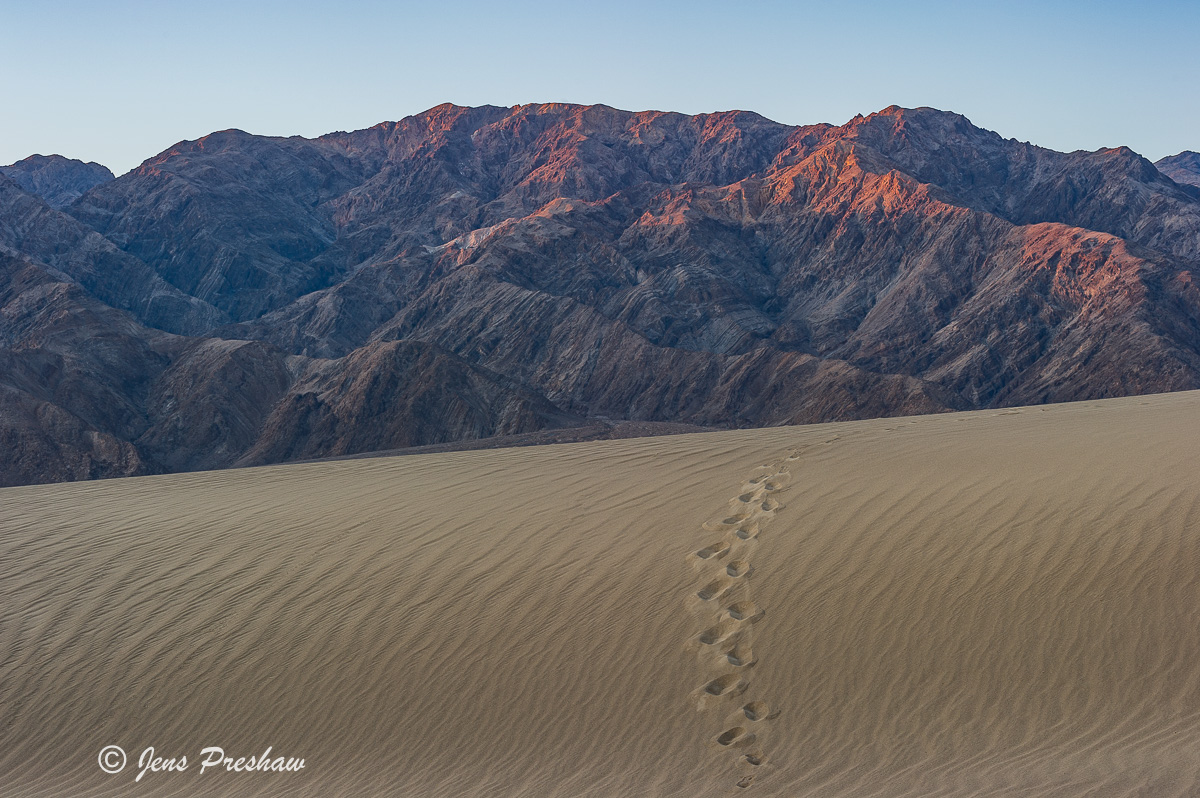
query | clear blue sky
(117,82)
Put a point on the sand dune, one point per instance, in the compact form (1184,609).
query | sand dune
(992,603)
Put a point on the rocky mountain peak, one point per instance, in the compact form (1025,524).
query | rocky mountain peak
(1183,168)
(56,179)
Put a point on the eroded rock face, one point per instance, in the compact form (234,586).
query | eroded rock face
(32,229)
(471,272)
(71,369)
(57,180)
(395,395)
(235,220)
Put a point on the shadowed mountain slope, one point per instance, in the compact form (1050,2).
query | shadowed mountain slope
(31,229)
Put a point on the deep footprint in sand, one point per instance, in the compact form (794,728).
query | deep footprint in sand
(744,611)
(717,550)
(773,482)
(747,532)
(727,522)
(741,656)
(738,569)
(735,736)
(712,590)
(753,759)
(720,633)
(725,685)
(756,711)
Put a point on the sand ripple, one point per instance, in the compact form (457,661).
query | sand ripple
(961,605)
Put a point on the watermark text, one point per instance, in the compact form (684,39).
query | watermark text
(212,758)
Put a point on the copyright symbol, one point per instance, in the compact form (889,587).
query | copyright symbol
(112,759)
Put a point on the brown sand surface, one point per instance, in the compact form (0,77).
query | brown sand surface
(991,603)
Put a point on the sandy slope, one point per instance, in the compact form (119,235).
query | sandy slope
(995,603)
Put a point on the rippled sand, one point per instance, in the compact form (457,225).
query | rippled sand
(994,603)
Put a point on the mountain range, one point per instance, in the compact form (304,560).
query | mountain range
(468,273)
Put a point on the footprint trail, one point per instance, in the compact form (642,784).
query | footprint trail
(737,728)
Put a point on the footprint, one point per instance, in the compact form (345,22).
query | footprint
(728,684)
(729,640)
(741,657)
(718,550)
(747,532)
(738,568)
(712,590)
(720,633)
(744,611)
(779,479)
(735,736)
(756,711)
(728,521)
